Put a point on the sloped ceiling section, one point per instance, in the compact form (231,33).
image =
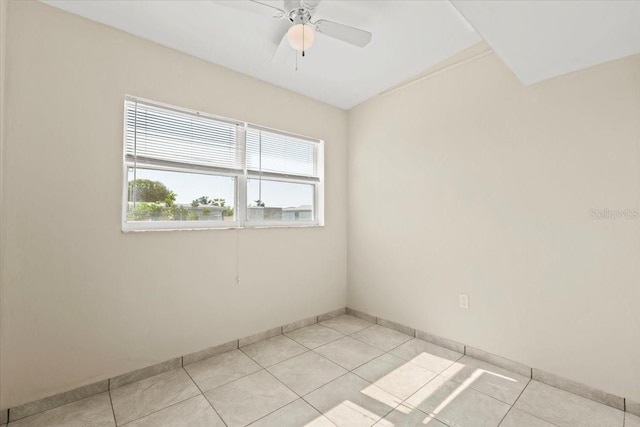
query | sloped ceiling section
(543,39)
(536,39)
(408,38)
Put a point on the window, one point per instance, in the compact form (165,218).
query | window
(282,178)
(189,170)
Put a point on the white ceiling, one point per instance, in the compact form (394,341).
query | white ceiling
(408,38)
(536,39)
(543,39)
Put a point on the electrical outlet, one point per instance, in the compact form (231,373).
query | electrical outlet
(464,301)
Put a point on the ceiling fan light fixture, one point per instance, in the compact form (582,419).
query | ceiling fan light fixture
(301,37)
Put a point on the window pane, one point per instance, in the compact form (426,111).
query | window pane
(157,195)
(270,152)
(279,201)
(158,134)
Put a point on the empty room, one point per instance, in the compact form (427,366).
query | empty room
(319,213)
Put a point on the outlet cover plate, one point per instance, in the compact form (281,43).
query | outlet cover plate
(464,301)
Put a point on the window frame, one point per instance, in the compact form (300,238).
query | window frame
(259,224)
(241,179)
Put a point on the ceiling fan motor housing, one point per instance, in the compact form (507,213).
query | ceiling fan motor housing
(300,16)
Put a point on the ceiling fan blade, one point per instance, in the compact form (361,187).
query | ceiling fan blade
(310,4)
(257,7)
(290,5)
(282,52)
(354,36)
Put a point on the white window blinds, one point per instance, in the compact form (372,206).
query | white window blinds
(158,136)
(270,153)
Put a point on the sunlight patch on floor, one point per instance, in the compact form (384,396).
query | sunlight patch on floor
(427,359)
(348,413)
(381,396)
(458,367)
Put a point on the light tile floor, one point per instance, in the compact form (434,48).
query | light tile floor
(345,372)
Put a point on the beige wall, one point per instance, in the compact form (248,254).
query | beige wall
(3,31)
(82,301)
(469,182)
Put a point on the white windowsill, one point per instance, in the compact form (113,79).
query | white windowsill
(231,227)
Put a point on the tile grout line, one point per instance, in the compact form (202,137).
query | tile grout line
(457,382)
(527,412)
(161,409)
(278,380)
(381,349)
(311,404)
(402,400)
(205,397)
(519,409)
(267,370)
(350,336)
(505,416)
(288,388)
(299,398)
(329,342)
(415,364)
(333,329)
(308,350)
(348,371)
(481,392)
(322,345)
(352,371)
(113,411)
(283,360)
(318,388)
(416,407)
(229,382)
(326,358)
(437,373)
(156,411)
(514,402)
(577,395)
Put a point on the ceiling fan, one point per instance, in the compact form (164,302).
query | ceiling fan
(301,34)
